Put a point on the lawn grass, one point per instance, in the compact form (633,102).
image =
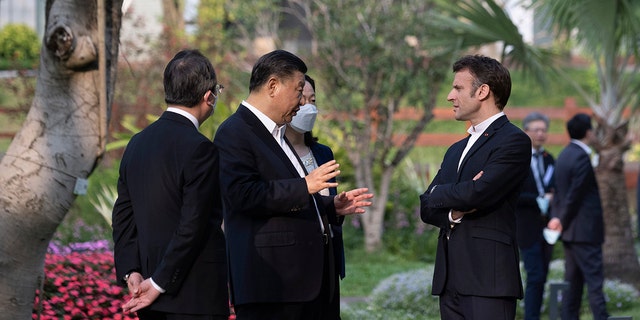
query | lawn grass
(365,270)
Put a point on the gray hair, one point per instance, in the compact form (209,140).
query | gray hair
(534,116)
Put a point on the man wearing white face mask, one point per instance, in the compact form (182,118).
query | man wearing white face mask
(313,154)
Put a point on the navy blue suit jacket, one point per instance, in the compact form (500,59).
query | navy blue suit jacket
(577,200)
(167,218)
(530,220)
(481,256)
(274,238)
(323,154)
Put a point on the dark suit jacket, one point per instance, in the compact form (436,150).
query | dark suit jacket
(323,154)
(577,200)
(530,220)
(482,255)
(165,222)
(275,244)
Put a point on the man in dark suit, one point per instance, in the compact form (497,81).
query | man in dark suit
(280,251)
(169,245)
(472,199)
(577,212)
(532,214)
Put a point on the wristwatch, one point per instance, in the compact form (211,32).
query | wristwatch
(126,277)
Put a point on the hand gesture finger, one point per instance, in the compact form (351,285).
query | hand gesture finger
(318,179)
(352,201)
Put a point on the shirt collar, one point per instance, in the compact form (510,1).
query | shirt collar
(482,126)
(582,145)
(534,151)
(266,121)
(185,114)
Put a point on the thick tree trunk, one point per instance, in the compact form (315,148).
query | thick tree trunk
(59,143)
(373,219)
(619,255)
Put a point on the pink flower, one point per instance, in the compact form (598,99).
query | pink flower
(80,283)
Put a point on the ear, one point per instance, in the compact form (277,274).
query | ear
(272,86)
(209,98)
(483,91)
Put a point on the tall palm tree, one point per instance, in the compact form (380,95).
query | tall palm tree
(608,32)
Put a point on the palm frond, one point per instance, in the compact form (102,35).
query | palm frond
(476,23)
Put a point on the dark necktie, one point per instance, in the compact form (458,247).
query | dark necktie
(540,163)
(537,167)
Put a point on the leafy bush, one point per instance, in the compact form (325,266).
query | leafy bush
(404,295)
(19,42)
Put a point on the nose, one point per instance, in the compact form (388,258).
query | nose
(450,95)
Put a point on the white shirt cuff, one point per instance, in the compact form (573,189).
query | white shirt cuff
(454,221)
(155,285)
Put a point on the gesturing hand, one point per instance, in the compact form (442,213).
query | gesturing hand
(318,178)
(352,201)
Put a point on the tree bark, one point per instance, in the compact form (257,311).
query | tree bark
(373,220)
(619,256)
(59,143)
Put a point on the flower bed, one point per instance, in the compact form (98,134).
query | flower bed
(80,283)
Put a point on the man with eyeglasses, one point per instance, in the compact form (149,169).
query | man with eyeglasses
(169,245)
(532,214)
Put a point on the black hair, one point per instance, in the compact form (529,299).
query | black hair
(311,81)
(488,71)
(578,126)
(187,77)
(280,63)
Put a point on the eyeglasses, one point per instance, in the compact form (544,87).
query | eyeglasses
(536,130)
(217,89)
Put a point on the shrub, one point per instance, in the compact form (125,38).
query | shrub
(404,295)
(19,42)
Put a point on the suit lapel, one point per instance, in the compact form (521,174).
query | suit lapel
(265,136)
(304,169)
(484,137)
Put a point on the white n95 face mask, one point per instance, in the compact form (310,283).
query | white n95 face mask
(304,119)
